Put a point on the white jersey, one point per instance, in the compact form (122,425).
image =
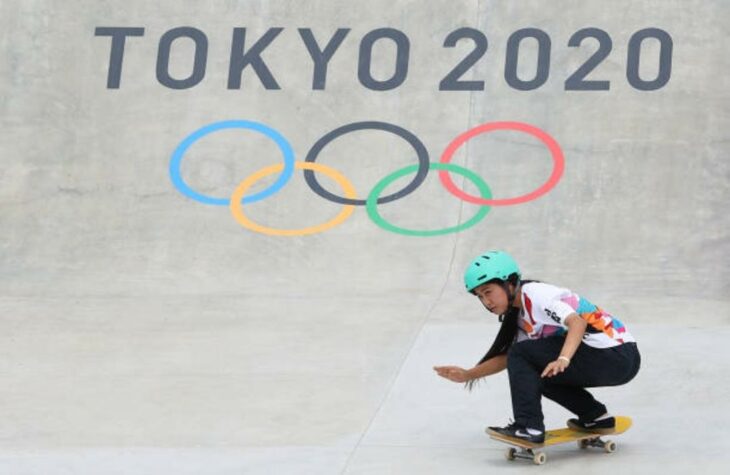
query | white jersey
(545,308)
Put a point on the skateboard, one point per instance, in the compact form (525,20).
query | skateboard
(527,450)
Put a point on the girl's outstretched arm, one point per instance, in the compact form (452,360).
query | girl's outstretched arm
(461,375)
(489,367)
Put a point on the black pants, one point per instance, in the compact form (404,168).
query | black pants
(589,367)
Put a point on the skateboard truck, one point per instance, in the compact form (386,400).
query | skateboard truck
(607,445)
(538,458)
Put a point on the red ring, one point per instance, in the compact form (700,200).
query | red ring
(544,137)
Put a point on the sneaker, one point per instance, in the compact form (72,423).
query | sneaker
(604,426)
(518,431)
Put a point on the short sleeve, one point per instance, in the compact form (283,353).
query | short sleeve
(558,311)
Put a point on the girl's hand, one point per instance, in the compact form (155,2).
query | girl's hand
(555,368)
(452,373)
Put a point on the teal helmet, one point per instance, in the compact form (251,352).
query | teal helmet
(491,265)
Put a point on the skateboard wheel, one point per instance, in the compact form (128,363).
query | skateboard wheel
(510,453)
(540,458)
(583,444)
(610,447)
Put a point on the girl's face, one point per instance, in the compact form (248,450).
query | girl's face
(493,297)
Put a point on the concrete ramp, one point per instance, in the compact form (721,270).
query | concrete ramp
(370,150)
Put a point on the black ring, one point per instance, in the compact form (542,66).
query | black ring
(423,164)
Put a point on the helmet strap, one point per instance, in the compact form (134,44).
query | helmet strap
(510,296)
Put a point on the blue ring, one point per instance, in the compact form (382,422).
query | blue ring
(281,142)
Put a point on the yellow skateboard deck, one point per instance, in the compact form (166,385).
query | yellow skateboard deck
(560,436)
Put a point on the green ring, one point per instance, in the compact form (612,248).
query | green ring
(372,206)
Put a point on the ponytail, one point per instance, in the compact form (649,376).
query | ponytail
(505,337)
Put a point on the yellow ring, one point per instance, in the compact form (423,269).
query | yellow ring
(237,208)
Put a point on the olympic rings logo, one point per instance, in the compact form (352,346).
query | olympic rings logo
(309,166)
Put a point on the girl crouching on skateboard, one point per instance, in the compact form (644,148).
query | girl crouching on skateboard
(553,343)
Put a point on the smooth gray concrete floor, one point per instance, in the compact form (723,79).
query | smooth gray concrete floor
(321,417)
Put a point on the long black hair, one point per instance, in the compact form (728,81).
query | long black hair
(507,331)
